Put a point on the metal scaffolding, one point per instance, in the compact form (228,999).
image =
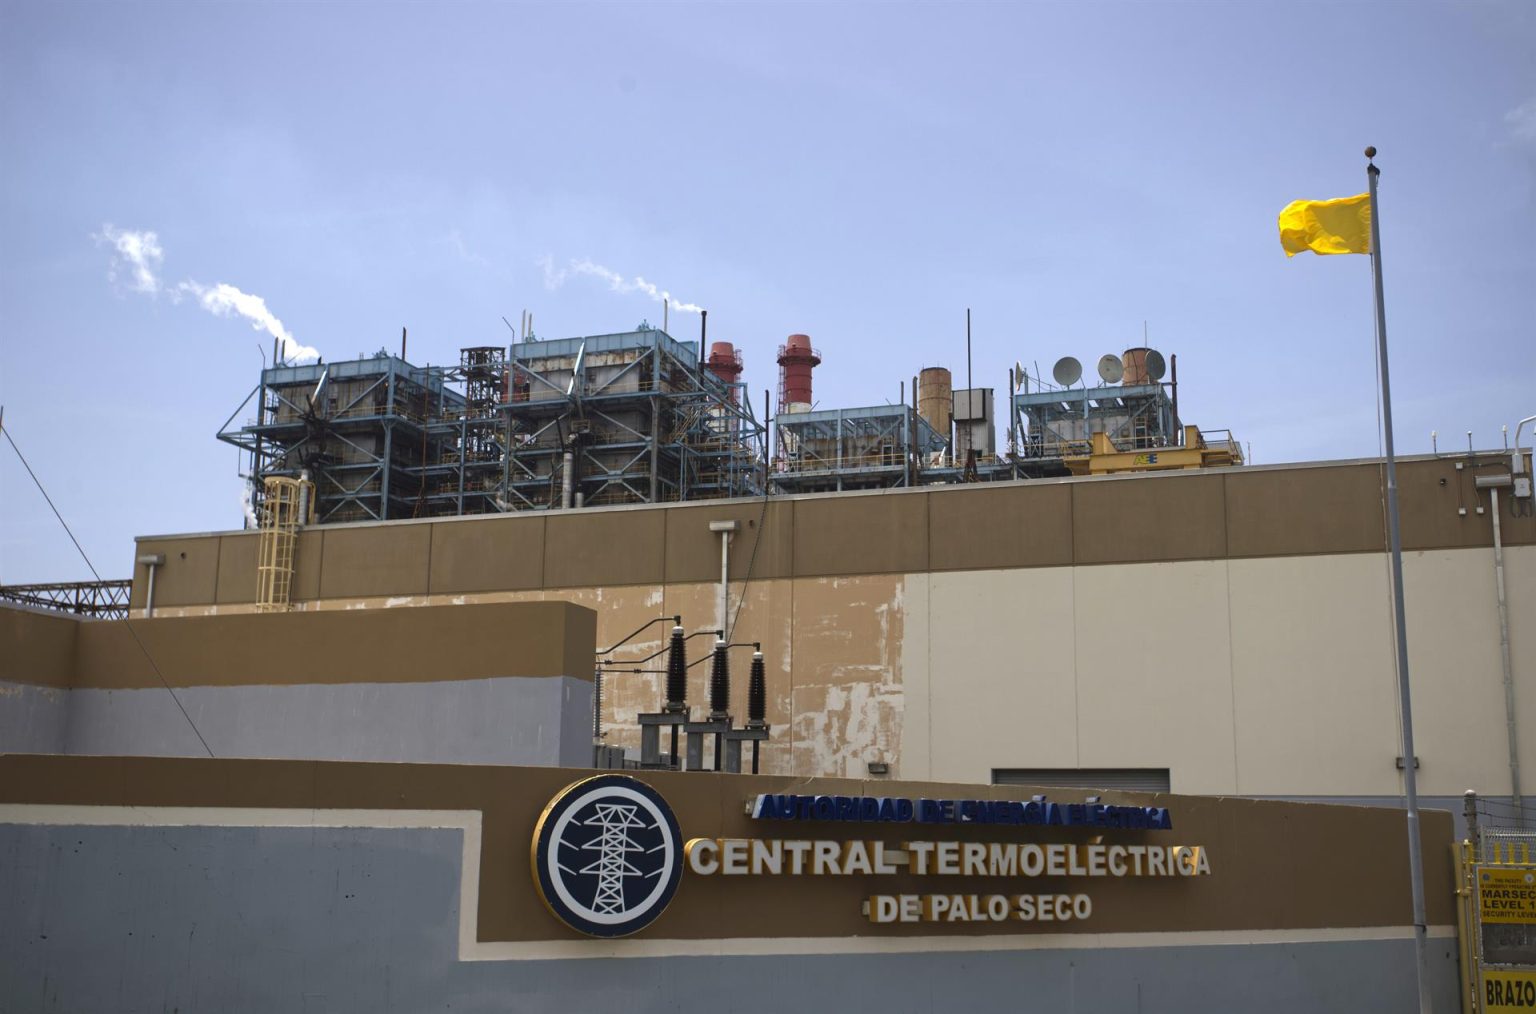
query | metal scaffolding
(1060,423)
(365,429)
(608,419)
(102,600)
(876,447)
(640,418)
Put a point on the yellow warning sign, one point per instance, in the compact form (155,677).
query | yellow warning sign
(1509,990)
(1506,895)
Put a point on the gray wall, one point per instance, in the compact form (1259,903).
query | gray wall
(32,718)
(543,721)
(365,920)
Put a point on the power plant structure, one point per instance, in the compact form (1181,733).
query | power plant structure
(640,417)
(628,418)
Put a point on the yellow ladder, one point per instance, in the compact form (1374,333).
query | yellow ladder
(280,523)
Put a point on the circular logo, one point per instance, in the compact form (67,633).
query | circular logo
(606,855)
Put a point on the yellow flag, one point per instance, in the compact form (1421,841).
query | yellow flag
(1339,226)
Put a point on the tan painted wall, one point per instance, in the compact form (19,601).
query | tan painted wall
(351,646)
(1232,626)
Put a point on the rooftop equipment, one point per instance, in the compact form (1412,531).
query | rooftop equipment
(935,399)
(876,447)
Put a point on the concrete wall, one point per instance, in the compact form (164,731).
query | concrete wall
(513,720)
(193,884)
(1258,677)
(1232,626)
(365,920)
(32,718)
(486,684)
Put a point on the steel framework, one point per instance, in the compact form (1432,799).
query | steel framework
(642,420)
(636,415)
(1060,423)
(104,600)
(876,447)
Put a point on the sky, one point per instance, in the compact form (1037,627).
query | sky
(182,182)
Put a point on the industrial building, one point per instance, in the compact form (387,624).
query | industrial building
(640,417)
(1176,629)
(636,417)
(1177,636)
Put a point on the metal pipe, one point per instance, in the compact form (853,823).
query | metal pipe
(304,496)
(1518,464)
(767,445)
(1399,616)
(969,386)
(1178,424)
(914,453)
(1509,679)
(1492,483)
(151,561)
(725,529)
(567,465)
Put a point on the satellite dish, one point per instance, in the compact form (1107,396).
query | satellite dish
(1111,369)
(1156,365)
(1067,371)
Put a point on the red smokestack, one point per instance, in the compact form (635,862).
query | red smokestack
(796,359)
(725,362)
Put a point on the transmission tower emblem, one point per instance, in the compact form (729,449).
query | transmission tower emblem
(606,855)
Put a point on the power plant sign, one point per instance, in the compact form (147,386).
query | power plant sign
(607,855)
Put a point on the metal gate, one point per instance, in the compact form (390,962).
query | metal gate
(1496,911)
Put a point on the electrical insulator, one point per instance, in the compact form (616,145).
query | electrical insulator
(677,672)
(757,692)
(720,683)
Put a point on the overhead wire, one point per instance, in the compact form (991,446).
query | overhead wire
(126,622)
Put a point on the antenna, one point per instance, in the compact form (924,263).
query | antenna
(1067,371)
(1111,370)
(1156,365)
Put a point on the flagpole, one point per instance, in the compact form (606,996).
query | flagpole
(1394,535)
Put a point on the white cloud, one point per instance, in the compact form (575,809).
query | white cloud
(1522,122)
(454,241)
(556,277)
(136,254)
(223,299)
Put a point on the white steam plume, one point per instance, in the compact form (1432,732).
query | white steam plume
(248,504)
(222,300)
(555,277)
(137,256)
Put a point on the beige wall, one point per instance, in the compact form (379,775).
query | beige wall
(1259,676)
